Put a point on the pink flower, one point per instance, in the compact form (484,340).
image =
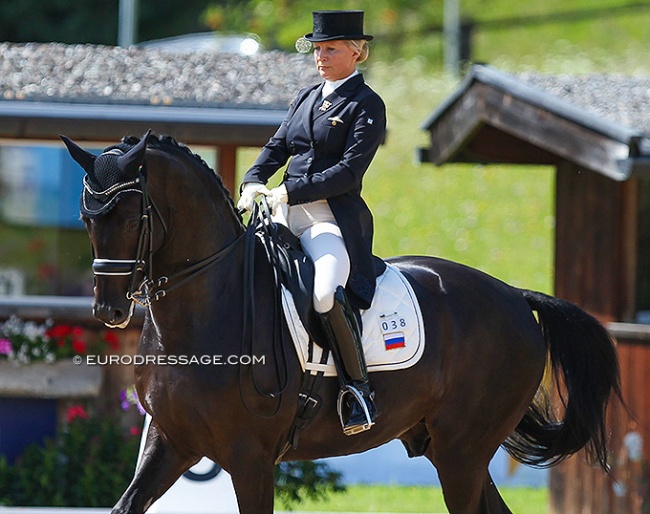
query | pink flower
(128,397)
(5,347)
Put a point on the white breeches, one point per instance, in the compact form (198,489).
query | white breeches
(322,241)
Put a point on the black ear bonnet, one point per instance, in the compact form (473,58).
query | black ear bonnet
(116,171)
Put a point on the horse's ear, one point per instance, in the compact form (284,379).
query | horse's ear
(84,158)
(130,162)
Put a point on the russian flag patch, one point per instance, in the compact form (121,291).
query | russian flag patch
(394,341)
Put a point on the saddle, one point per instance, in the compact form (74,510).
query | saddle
(293,272)
(393,325)
(293,269)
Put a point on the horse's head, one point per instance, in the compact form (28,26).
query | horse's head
(191,226)
(115,209)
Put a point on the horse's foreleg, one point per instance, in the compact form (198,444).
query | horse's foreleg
(159,467)
(253,477)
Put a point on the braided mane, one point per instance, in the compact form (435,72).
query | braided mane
(171,145)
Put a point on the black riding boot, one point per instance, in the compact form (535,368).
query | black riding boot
(356,399)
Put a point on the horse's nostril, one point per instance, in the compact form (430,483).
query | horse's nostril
(118,315)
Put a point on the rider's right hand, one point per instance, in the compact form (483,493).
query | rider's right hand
(249,192)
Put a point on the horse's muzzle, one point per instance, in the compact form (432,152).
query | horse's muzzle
(114,316)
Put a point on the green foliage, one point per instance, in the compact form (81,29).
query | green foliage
(525,33)
(496,218)
(89,464)
(92,461)
(296,482)
(281,22)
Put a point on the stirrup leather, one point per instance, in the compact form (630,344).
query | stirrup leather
(360,399)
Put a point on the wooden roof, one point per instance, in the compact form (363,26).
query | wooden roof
(599,123)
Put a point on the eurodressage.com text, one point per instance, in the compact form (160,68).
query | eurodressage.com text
(170,360)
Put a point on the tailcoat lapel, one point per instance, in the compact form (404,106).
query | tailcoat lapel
(328,105)
(308,108)
(339,95)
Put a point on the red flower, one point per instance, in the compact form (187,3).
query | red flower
(76,411)
(59,331)
(135,431)
(78,346)
(76,331)
(112,340)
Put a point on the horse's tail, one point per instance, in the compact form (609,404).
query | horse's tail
(585,370)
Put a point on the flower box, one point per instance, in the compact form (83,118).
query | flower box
(61,379)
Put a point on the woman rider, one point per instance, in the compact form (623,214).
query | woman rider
(331,134)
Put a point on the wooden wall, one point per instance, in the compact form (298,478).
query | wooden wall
(578,488)
(599,234)
(596,242)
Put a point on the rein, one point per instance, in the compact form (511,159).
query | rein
(260,219)
(149,290)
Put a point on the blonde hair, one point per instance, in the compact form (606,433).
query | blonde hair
(359,45)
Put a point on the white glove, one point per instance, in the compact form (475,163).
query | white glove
(251,191)
(277,196)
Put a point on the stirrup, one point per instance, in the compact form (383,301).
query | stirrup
(360,399)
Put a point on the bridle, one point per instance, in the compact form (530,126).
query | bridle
(147,290)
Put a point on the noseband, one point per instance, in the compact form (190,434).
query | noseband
(148,290)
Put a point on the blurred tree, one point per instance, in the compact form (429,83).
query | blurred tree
(278,22)
(94,21)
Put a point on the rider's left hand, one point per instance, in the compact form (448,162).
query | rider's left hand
(277,196)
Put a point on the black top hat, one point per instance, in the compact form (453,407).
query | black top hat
(331,25)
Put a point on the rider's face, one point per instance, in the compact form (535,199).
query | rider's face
(335,60)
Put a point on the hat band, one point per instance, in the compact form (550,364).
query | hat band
(318,36)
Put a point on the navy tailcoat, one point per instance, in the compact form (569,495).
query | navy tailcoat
(330,143)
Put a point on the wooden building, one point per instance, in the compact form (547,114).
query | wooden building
(596,132)
(96,93)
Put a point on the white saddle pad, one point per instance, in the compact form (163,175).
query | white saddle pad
(393,329)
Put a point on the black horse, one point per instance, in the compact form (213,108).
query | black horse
(153,209)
